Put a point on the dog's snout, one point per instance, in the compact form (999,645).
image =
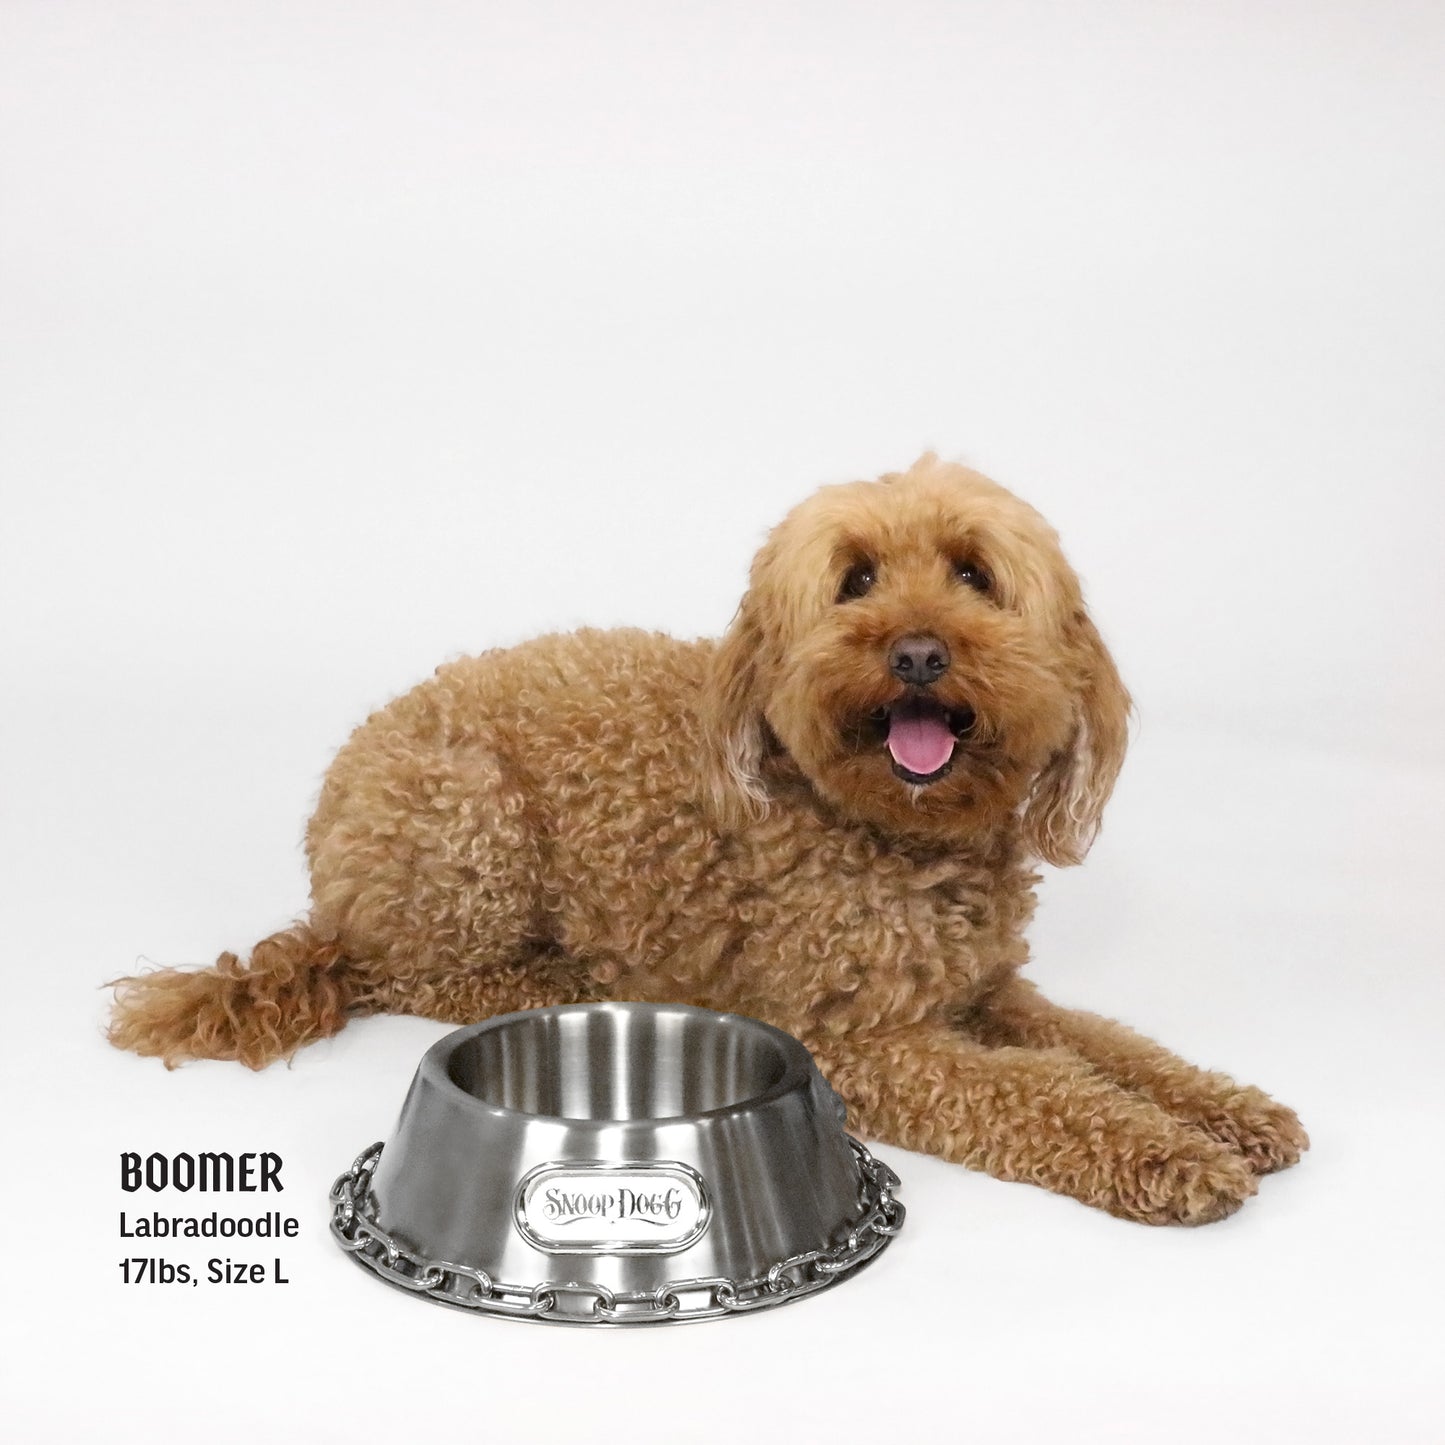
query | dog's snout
(918,659)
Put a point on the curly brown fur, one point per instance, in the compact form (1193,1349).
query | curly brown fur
(295,988)
(829,820)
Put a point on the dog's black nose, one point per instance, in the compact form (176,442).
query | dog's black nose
(918,659)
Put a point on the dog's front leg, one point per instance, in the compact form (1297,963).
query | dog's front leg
(1267,1134)
(1041,1115)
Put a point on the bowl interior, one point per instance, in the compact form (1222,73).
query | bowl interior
(618,1063)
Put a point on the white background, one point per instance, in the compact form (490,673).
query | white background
(339,339)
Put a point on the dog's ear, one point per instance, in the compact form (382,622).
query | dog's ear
(1065,808)
(733,720)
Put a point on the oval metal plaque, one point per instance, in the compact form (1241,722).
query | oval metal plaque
(593,1207)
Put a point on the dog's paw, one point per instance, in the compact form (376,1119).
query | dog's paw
(1268,1135)
(1186,1180)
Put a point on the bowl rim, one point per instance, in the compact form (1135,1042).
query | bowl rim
(798,1069)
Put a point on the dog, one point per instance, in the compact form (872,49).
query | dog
(830,820)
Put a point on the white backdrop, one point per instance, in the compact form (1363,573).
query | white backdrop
(339,339)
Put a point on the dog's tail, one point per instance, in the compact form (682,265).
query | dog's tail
(296,987)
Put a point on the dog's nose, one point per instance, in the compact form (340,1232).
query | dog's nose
(918,659)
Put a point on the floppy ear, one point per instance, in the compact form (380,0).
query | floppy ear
(733,720)
(1063,813)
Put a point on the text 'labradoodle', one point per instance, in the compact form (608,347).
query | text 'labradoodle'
(829,820)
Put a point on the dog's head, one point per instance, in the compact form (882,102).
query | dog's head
(917,648)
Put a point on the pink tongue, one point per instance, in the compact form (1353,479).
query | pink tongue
(919,741)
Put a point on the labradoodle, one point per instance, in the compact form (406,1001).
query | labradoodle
(830,820)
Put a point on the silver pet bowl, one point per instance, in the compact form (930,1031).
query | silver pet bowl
(617,1163)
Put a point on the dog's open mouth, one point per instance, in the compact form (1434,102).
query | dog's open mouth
(921,734)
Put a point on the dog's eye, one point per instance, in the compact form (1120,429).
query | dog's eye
(972,575)
(858,581)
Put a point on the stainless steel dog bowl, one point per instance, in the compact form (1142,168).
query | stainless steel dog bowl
(617,1163)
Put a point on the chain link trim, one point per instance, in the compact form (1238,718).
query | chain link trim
(705,1297)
